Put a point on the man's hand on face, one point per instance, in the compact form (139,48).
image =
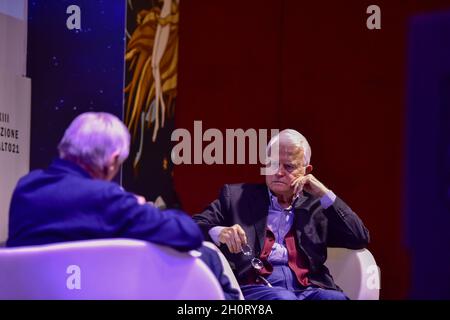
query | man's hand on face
(234,237)
(310,184)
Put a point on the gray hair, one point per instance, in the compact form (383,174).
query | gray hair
(93,137)
(293,138)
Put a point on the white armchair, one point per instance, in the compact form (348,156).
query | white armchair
(105,269)
(355,271)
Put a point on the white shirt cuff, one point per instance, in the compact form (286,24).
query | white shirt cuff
(214,234)
(328,199)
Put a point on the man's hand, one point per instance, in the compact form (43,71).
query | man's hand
(310,184)
(140,199)
(234,237)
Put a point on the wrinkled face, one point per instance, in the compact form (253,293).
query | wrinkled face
(291,166)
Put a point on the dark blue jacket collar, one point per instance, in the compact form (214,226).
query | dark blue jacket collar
(69,167)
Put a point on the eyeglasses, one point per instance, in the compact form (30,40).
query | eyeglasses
(257,264)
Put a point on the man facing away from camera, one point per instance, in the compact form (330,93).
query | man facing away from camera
(75,199)
(275,235)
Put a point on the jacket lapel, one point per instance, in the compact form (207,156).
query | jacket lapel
(259,208)
(301,202)
(258,205)
(302,209)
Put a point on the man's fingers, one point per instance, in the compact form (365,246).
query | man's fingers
(227,239)
(140,199)
(298,187)
(238,238)
(242,235)
(306,179)
(233,240)
(230,245)
(299,184)
(224,236)
(234,237)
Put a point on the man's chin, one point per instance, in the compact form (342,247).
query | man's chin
(279,187)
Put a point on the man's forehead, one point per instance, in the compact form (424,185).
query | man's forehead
(287,151)
(291,154)
(290,150)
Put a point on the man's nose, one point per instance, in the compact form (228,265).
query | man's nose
(280,171)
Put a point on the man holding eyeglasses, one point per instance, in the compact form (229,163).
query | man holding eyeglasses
(287,223)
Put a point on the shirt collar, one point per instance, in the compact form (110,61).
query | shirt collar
(274,201)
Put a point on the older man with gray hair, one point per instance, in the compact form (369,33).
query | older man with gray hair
(74,198)
(275,235)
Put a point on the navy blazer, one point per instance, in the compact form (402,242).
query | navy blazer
(64,203)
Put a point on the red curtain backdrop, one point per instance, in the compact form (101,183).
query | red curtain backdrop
(314,67)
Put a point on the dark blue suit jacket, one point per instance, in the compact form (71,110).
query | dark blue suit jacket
(63,203)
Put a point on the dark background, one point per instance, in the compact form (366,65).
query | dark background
(315,67)
(428,155)
(72,71)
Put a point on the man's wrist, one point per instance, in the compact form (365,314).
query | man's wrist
(327,199)
(214,233)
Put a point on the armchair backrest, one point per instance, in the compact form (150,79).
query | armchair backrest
(356,272)
(105,269)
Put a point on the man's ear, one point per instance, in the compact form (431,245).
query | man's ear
(113,164)
(309,169)
(114,160)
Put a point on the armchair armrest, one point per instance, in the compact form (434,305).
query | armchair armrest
(356,272)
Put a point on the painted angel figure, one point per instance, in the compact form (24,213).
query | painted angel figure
(152,54)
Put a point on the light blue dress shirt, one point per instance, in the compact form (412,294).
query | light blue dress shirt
(279,221)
